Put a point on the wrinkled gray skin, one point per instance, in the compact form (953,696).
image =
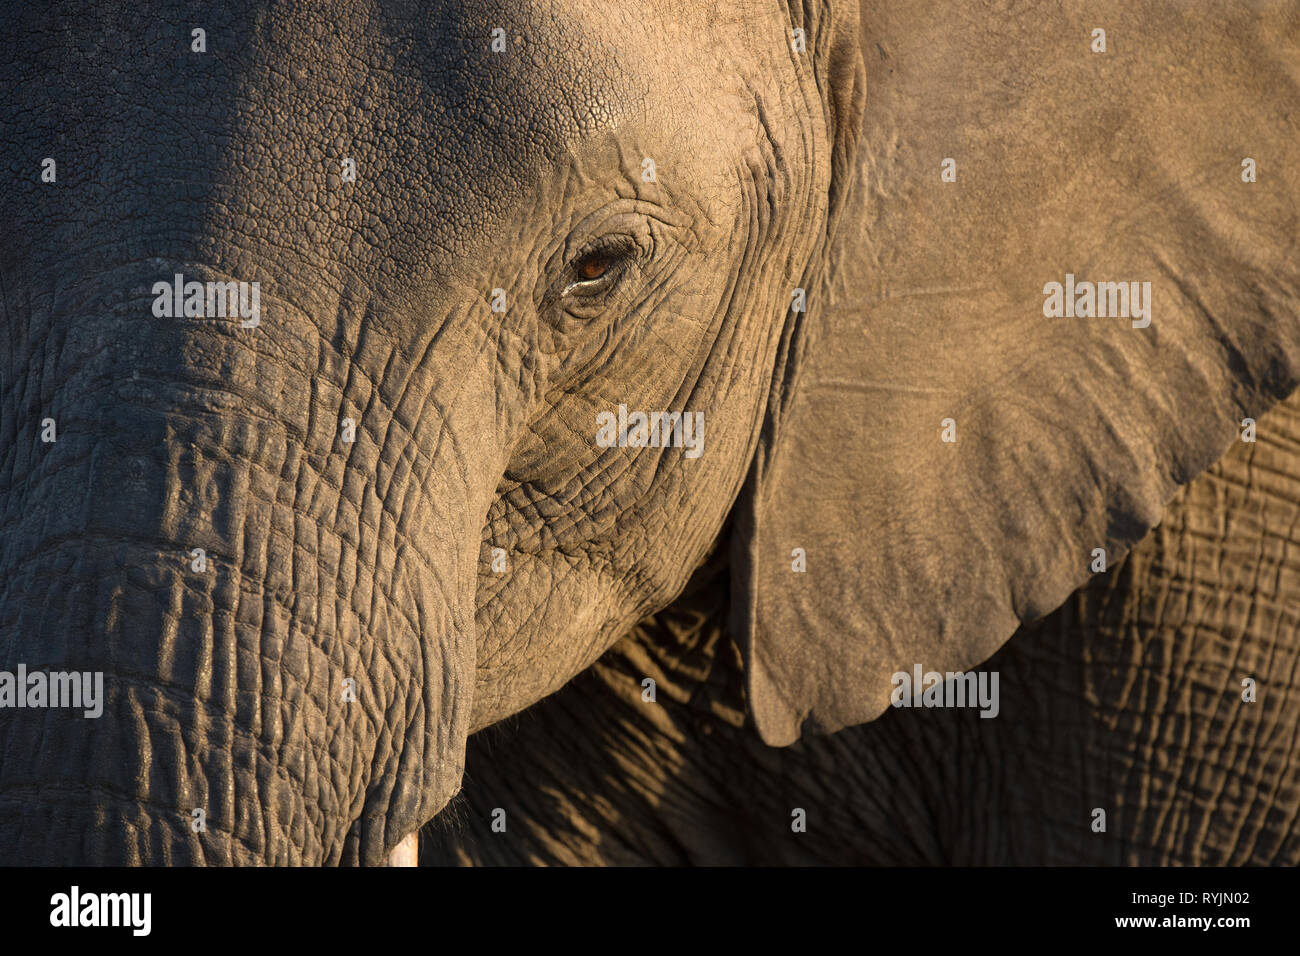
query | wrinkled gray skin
(776,170)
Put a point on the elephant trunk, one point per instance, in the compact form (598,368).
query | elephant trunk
(226,634)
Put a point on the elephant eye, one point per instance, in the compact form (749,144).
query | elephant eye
(593,266)
(596,270)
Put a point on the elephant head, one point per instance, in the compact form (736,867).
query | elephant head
(372,367)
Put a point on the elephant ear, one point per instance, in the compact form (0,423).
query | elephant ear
(1071,432)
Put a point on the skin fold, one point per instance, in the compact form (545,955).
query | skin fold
(369,551)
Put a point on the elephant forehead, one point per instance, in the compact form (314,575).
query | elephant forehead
(461,112)
(518,86)
(495,97)
(454,112)
(377,138)
(449,110)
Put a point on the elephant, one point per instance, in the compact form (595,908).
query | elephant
(561,429)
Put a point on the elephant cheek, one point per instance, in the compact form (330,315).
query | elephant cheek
(268,654)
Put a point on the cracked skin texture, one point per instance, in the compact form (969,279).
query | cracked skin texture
(1128,698)
(777,170)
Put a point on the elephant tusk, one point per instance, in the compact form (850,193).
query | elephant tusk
(406,853)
